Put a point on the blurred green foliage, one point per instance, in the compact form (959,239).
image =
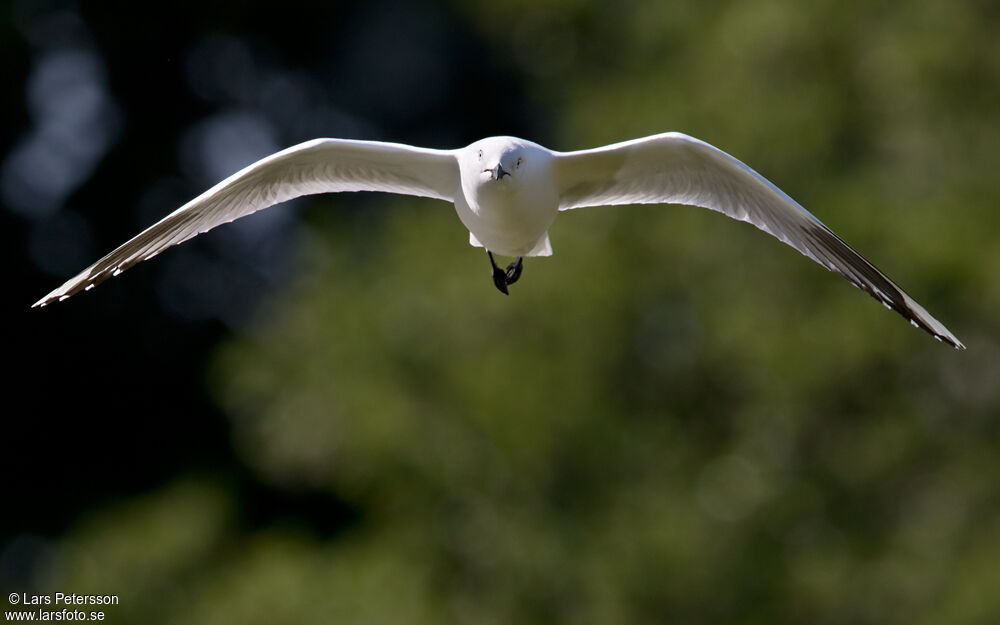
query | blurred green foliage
(673,419)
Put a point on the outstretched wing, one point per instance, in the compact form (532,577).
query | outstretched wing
(317,166)
(678,169)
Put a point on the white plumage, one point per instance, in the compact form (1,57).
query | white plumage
(508,191)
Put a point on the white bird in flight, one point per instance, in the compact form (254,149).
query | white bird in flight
(508,191)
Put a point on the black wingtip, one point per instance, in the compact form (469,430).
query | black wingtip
(862,274)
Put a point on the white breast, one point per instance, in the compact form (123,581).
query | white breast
(512,215)
(508,217)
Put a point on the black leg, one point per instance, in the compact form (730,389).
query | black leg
(514,270)
(499,276)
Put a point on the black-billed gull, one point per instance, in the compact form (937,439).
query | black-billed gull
(508,191)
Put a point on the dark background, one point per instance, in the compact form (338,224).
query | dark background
(325,411)
(111,391)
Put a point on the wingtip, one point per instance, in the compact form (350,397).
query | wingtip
(942,334)
(58,295)
(42,303)
(950,339)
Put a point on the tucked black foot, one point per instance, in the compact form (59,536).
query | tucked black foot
(499,275)
(500,279)
(514,270)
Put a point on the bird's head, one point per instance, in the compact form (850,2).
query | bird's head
(498,159)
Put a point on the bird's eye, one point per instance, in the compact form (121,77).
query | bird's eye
(480,155)
(519,159)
